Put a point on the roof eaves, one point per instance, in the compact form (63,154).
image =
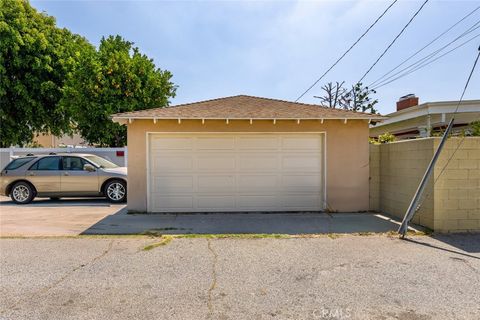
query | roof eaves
(133,117)
(244,96)
(433,104)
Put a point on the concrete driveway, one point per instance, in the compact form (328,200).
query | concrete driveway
(228,223)
(350,277)
(67,217)
(44,217)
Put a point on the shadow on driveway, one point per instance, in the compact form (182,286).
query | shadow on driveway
(243,223)
(467,242)
(63,202)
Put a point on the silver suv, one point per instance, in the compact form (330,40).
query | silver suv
(63,175)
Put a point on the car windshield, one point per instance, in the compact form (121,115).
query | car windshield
(17,163)
(101,162)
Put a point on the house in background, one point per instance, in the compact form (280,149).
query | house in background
(51,141)
(413,120)
(247,153)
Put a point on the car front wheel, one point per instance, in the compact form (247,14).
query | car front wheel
(116,191)
(22,193)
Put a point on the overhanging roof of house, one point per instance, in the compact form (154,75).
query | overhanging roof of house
(245,107)
(430,108)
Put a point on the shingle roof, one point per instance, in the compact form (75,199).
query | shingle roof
(245,107)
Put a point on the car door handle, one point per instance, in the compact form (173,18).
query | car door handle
(31,174)
(66,174)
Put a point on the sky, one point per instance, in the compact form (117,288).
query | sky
(277,49)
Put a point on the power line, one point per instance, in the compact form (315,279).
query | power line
(427,45)
(424,64)
(388,47)
(346,52)
(394,40)
(425,59)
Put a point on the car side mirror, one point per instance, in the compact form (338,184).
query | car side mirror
(88,167)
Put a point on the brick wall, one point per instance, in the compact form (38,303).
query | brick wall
(451,205)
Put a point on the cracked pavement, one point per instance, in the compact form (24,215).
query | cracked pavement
(350,277)
(214,279)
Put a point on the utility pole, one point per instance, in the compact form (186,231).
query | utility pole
(415,203)
(413,207)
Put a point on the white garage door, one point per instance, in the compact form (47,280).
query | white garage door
(235,172)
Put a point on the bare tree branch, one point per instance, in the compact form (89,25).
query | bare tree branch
(356,99)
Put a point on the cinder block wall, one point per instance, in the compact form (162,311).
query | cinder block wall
(457,190)
(402,165)
(374,177)
(452,205)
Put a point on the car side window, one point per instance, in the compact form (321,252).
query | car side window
(47,163)
(73,163)
(17,163)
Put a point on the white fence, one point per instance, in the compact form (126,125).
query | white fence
(116,155)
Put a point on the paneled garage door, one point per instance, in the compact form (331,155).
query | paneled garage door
(235,172)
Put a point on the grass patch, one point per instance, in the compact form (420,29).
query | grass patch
(334,235)
(166,229)
(157,233)
(365,234)
(425,232)
(165,240)
(235,236)
(411,233)
(152,233)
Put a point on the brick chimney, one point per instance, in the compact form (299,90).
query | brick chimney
(407,101)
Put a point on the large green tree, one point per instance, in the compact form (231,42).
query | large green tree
(115,78)
(35,58)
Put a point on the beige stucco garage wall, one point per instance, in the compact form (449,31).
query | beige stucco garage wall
(346,147)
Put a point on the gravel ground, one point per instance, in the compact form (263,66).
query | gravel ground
(350,277)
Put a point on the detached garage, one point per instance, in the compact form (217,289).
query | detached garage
(246,153)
